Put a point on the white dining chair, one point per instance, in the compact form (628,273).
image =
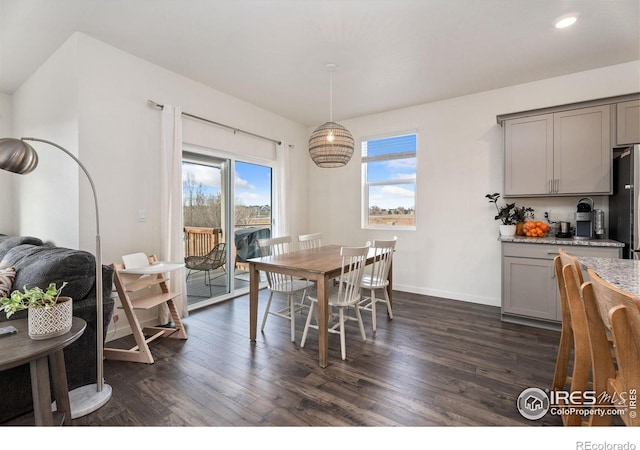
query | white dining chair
(278,283)
(312,240)
(377,278)
(342,297)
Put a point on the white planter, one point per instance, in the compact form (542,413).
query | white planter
(45,323)
(507,230)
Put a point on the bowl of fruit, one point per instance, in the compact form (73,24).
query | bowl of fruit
(535,229)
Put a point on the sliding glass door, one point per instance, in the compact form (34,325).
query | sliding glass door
(227,206)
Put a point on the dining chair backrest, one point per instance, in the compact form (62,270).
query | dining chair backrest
(274,247)
(354,260)
(600,297)
(383,251)
(566,258)
(307,241)
(626,338)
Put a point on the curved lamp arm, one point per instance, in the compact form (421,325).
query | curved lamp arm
(19,157)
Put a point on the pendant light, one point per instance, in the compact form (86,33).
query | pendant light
(331,144)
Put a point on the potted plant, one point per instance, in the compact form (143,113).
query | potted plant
(506,214)
(522,214)
(49,314)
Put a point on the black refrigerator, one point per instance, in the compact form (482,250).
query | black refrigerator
(623,203)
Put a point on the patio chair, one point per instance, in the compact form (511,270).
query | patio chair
(215,259)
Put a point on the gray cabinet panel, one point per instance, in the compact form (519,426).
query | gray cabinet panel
(529,285)
(628,123)
(529,155)
(582,155)
(561,153)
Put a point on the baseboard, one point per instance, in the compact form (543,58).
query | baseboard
(448,294)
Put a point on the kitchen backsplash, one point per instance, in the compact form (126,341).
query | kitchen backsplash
(562,208)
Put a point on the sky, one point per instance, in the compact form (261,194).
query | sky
(390,196)
(252,181)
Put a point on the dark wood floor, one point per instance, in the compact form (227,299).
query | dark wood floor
(439,362)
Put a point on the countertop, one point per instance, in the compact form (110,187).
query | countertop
(552,240)
(622,273)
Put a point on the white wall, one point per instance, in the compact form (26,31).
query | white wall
(454,252)
(120,140)
(46,107)
(7,225)
(92,98)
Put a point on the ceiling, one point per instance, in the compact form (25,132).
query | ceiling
(389,53)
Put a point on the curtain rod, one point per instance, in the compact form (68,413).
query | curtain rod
(235,130)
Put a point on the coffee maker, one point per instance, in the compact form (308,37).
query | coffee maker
(584,219)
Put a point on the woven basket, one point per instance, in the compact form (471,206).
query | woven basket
(45,323)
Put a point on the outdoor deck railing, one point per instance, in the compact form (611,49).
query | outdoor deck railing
(198,241)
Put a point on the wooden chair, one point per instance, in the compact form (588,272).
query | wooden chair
(142,291)
(626,337)
(345,295)
(574,336)
(281,283)
(313,240)
(377,279)
(215,259)
(600,297)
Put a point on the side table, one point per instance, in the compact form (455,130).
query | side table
(42,355)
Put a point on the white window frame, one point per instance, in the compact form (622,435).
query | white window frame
(366,185)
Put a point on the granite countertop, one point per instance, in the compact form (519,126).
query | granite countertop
(552,240)
(622,273)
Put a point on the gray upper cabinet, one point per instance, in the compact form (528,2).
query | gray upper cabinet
(528,155)
(561,153)
(628,123)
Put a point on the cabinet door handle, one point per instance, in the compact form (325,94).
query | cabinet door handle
(557,185)
(550,186)
(553,272)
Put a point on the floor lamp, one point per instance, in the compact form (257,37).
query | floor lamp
(19,157)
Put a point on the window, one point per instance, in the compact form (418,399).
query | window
(389,182)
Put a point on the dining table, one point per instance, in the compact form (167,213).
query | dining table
(321,265)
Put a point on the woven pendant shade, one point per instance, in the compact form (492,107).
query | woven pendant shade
(331,145)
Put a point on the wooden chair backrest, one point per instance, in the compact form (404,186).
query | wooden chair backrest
(274,247)
(312,240)
(383,251)
(626,338)
(600,297)
(354,260)
(570,259)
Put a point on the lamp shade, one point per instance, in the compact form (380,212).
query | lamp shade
(17,156)
(331,145)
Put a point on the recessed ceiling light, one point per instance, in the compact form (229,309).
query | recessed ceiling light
(566,20)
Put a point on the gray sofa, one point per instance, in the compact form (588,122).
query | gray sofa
(38,264)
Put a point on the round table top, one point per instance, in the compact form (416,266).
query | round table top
(18,348)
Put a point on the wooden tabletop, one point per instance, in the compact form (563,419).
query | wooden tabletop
(18,348)
(321,260)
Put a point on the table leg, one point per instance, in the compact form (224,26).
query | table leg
(41,391)
(60,386)
(323,320)
(254,286)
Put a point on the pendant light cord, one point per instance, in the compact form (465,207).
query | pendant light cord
(331,68)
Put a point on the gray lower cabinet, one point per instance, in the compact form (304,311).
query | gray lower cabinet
(529,285)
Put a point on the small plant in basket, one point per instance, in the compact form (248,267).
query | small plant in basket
(32,298)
